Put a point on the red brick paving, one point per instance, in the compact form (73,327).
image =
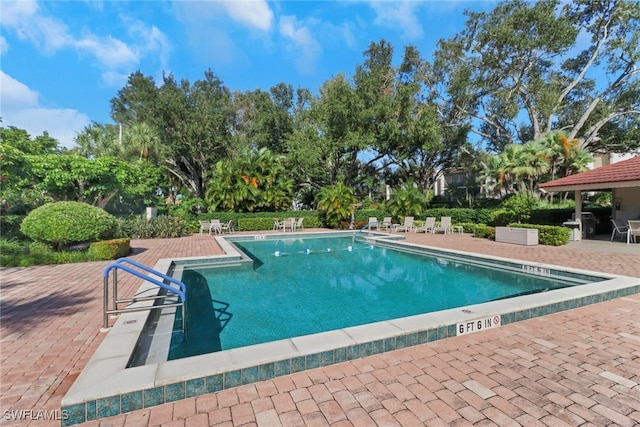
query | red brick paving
(579,367)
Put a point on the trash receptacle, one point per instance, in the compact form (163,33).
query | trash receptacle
(588,225)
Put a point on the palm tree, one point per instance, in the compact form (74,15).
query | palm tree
(141,138)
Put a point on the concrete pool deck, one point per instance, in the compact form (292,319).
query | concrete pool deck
(578,367)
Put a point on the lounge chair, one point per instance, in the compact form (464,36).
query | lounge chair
(634,230)
(228,226)
(428,226)
(444,226)
(406,226)
(299,225)
(618,228)
(386,223)
(373,222)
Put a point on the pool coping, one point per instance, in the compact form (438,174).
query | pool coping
(107,388)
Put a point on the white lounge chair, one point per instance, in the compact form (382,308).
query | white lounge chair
(428,226)
(373,222)
(634,231)
(386,223)
(444,226)
(618,228)
(406,226)
(299,225)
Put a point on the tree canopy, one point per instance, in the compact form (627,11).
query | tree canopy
(521,94)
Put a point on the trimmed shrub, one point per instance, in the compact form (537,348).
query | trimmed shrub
(484,231)
(109,249)
(162,226)
(548,234)
(66,223)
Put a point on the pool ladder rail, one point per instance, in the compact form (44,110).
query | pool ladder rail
(173,292)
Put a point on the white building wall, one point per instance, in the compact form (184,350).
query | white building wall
(626,204)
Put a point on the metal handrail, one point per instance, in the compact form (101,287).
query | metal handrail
(120,265)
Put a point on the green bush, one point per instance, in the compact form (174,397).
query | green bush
(65,223)
(162,226)
(548,234)
(484,231)
(109,249)
(459,215)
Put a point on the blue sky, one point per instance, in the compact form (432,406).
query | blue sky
(63,61)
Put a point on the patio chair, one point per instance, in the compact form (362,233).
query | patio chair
(277,224)
(228,227)
(386,223)
(428,226)
(288,224)
(618,228)
(205,225)
(406,226)
(634,230)
(373,222)
(216,226)
(444,226)
(299,225)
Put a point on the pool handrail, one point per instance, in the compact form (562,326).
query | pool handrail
(120,264)
(116,263)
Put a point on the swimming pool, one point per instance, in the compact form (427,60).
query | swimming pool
(120,377)
(302,286)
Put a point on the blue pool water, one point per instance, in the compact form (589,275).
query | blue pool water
(301,286)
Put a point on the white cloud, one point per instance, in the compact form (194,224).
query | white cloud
(398,15)
(111,54)
(21,108)
(304,46)
(255,14)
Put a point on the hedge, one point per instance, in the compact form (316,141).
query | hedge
(109,249)
(548,234)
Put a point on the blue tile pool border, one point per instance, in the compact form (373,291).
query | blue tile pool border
(132,400)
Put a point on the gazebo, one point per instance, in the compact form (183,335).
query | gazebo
(622,178)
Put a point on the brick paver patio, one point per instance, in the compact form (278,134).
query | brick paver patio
(576,368)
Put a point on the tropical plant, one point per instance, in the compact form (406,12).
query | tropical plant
(336,203)
(408,200)
(257,181)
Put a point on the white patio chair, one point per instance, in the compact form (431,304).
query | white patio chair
(205,225)
(428,226)
(444,226)
(386,223)
(634,231)
(299,225)
(618,228)
(406,226)
(373,222)
(228,227)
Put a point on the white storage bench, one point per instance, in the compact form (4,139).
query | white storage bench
(518,236)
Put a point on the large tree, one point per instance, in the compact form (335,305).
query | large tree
(193,123)
(526,69)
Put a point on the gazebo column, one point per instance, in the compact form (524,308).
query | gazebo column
(578,209)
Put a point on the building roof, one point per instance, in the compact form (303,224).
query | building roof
(616,175)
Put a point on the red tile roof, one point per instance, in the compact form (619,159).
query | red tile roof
(620,174)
